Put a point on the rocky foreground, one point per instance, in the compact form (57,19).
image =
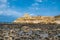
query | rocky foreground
(11,31)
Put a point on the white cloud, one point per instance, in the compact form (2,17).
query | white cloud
(12,13)
(1,12)
(3,1)
(32,14)
(2,6)
(34,7)
(5,10)
(35,4)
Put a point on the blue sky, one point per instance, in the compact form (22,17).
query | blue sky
(13,9)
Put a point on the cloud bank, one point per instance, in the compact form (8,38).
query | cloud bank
(5,10)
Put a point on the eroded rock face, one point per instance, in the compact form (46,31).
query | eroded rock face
(35,19)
